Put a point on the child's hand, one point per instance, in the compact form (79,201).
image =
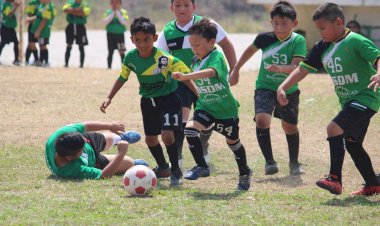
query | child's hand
(16,3)
(281,97)
(234,77)
(178,76)
(37,34)
(122,147)
(374,82)
(273,68)
(104,105)
(117,127)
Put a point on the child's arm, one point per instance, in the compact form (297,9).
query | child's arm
(39,29)
(297,75)
(191,85)
(375,79)
(247,54)
(285,69)
(115,127)
(229,52)
(108,19)
(122,18)
(206,73)
(111,168)
(30,19)
(118,84)
(16,4)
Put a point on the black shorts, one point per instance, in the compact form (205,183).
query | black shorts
(31,38)
(43,41)
(266,102)
(161,113)
(115,41)
(8,35)
(227,127)
(354,119)
(77,32)
(98,143)
(187,96)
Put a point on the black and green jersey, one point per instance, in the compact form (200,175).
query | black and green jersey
(279,52)
(215,96)
(77,19)
(81,168)
(153,73)
(47,12)
(7,20)
(115,26)
(31,7)
(351,63)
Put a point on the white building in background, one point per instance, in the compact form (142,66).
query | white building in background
(366,12)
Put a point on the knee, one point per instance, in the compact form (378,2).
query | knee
(191,132)
(167,137)
(151,141)
(334,129)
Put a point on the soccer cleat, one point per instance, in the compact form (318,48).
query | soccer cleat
(244,182)
(378,177)
(176,177)
(271,167)
(17,63)
(367,191)
(140,162)
(295,168)
(131,136)
(331,184)
(161,173)
(197,172)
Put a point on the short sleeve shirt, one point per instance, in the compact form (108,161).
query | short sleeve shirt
(77,19)
(47,12)
(81,168)
(215,96)
(31,7)
(8,21)
(115,26)
(279,52)
(153,73)
(351,63)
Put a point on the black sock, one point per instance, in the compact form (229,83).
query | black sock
(337,153)
(67,55)
(44,55)
(47,56)
(195,146)
(263,137)
(15,49)
(158,155)
(27,55)
(81,50)
(2,44)
(179,137)
(109,58)
(293,146)
(173,155)
(35,55)
(240,157)
(362,162)
(205,136)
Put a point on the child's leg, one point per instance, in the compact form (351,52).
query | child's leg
(81,50)
(156,151)
(337,151)
(43,54)
(192,136)
(263,121)
(15,49)
(240,155)
(67,55)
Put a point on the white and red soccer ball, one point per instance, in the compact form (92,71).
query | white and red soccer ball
(139,180)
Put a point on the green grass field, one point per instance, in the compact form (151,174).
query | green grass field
(36,101)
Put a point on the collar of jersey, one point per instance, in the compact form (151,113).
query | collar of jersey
(346,32)
(208,54)
(186,26)
(287,37)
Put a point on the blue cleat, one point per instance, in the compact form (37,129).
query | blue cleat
(131,136)
(196,172)
(140,162)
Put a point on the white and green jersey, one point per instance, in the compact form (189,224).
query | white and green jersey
(153,73)
(47,12)
(115,26)
(175,39)
(215,96)
(350,62)
(279,52)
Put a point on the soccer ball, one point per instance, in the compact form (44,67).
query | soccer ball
(139,180)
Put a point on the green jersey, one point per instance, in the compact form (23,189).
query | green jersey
(77,19)
(81,168)
(8,21)
(350,62)
(31,7)
(153,73)
(44,12)
(115,26)
(215,96)
(279,52)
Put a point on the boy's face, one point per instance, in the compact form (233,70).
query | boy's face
(44,1)
(330,31)
(282,26)
(144,43)
(115,4)
(200,46)
(183,10)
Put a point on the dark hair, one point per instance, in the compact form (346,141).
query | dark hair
(204,28)
(69,144)
(328,11)
(283,9)
(355,23)
(142,24)
(193,1)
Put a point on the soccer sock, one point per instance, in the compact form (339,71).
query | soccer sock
(81,50)
(293,146)
(46,55)
(158,155)
(27,54)
(2,44)
(109,58)
(179,138)
(15,48)
(336,155)
(35,55)
(362,162)
(43,53)
(67,55)
(263,137)
(240,157)
(115,139)
(205,136)
(195,146)
(173,154)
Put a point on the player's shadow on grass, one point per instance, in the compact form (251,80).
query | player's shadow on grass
(289,181)
(353,201)
(215,196)
(60,179)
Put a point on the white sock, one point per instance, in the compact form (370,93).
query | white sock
(115,139)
